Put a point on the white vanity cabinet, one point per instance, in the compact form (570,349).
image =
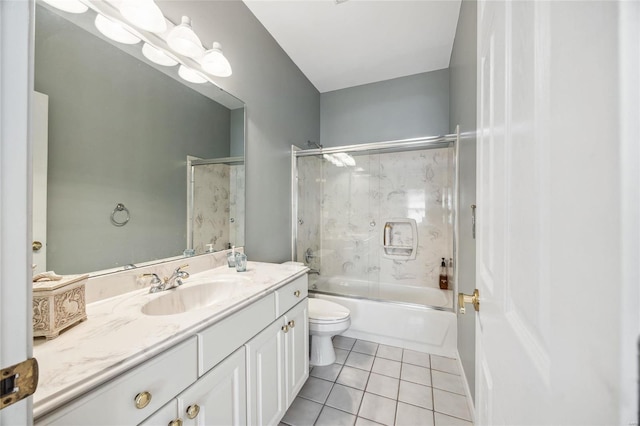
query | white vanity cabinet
(278,358)
(243,369)
(217,398)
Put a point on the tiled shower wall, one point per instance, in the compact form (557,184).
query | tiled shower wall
(342,212)
(218,206)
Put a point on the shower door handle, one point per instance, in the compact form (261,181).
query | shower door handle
(473,221)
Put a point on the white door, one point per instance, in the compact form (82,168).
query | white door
(40,136)
(548,344)
(15,197)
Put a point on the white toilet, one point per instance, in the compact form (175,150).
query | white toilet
(326,319)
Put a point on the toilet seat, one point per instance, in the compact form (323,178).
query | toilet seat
(325,312)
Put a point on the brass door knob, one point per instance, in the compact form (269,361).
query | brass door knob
(285,328)
(193,410)
(296,293)
(176,422)
(142,399)
(465,298)
(291,324)
(36,245)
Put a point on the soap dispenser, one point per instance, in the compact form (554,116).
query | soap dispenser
(444,279)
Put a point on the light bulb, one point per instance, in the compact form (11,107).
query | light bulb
(143,14)
(190,75)
(115,31)
(157,56)
(184,40)
(215,63)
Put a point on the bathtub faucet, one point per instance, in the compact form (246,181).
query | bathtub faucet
(308,255)
(314,271)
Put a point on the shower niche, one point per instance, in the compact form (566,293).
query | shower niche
(400,239)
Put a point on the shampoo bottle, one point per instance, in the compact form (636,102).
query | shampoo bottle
(444,279)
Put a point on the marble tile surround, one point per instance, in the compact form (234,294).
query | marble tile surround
(344,210)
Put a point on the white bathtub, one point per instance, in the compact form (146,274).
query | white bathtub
(411,317)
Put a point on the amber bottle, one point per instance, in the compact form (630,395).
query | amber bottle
(444,279)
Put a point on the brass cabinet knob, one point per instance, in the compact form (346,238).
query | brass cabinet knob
(193,410)
(285,328)
(142,399)
(296,293)
(36,245)
(291,324)
(176,422)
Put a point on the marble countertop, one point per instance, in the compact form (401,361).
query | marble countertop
(118,336)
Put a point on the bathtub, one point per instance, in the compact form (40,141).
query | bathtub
(411,317)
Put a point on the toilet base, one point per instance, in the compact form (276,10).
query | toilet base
(322,352)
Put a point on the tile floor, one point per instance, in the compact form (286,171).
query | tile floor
(372,384)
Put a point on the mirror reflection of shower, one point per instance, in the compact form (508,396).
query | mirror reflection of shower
(215,204)
(375,220)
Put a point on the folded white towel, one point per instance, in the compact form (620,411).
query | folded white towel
(46,276)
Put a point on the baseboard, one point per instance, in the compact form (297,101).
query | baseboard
(467,389)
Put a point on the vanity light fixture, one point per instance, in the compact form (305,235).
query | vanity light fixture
(144,14)
(71,6)
(114,30)
(215,63)
(190,75)
(157,56)
(184,40)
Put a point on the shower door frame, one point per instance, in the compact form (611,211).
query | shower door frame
(451,140)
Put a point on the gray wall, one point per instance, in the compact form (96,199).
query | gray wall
(119,132)
(401,108)
(283,108)
(463,112)
(237,133)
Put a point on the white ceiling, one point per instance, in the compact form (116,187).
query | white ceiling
(338,45)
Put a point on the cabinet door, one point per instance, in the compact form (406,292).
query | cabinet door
(266,376)
(297,349)
(219,397)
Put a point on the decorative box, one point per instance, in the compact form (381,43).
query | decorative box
(58,305)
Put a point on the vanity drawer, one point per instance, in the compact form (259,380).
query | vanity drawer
(114,403)
(221,339)
(289,295)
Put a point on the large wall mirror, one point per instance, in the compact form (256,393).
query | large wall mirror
(135,165)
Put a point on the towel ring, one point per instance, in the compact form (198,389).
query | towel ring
(119,208)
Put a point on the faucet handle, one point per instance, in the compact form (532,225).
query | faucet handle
(179,272)
(155,280)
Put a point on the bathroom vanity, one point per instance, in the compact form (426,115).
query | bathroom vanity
(237,353)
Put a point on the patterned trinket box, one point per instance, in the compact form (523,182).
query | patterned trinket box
(58,305)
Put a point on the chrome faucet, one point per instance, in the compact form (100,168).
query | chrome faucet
(176,278)
(313,271)
(168,283)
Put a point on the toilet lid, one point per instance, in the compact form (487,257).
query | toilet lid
(323,310)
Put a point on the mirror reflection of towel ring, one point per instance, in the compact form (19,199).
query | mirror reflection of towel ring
(120,208)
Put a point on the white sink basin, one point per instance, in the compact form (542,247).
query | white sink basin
(193,296)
